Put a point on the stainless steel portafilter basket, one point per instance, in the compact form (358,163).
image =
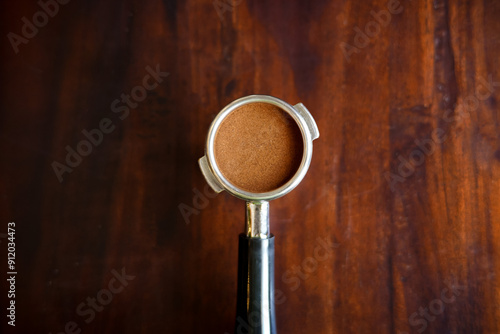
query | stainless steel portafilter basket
(255,295)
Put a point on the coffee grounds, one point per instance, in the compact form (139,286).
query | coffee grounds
(258,147)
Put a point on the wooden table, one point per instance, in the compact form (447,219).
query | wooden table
(395,229)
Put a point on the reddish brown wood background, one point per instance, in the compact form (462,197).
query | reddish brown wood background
(398,250)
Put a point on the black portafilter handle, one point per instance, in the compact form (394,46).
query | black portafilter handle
(255,296)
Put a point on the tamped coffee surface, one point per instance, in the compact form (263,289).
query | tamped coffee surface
(258,147)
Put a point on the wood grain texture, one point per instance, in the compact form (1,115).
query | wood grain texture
(404,181)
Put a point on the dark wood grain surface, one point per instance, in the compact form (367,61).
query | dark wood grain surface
(395,229)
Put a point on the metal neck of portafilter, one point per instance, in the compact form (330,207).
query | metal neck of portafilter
(257,219)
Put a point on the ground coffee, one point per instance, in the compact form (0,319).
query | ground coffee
(258,147)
